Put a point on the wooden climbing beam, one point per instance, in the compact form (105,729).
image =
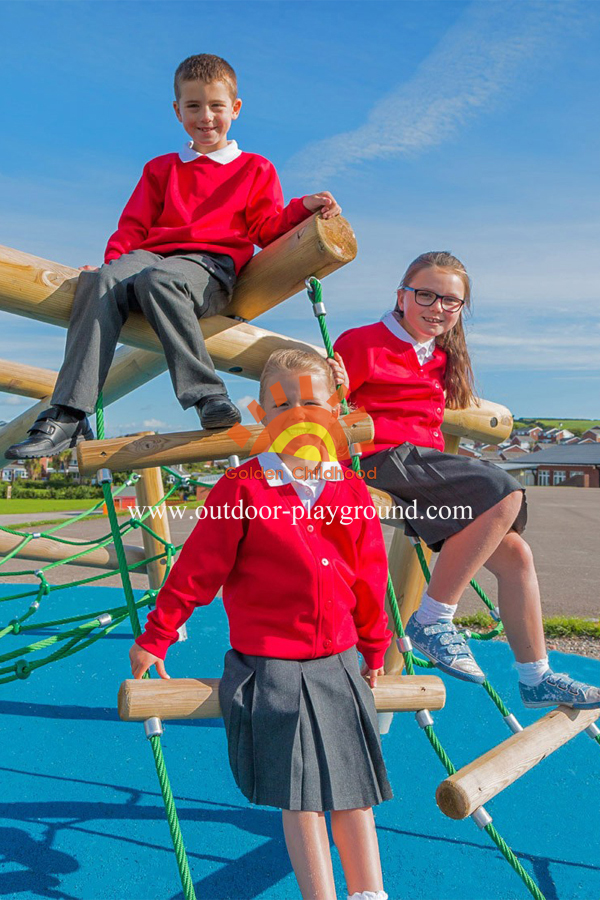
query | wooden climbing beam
(144,451)
(194,698)
(47,550)
(44,290)
(482,421)
(472,786)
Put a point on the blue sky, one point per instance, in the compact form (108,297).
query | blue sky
(472,127)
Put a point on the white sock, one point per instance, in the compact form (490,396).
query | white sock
(533,673)
(369,895)
(431,611)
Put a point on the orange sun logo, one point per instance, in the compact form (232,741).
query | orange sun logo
(308,432)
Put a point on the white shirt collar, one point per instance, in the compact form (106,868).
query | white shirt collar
(223,156)
(277,473)
(424,351)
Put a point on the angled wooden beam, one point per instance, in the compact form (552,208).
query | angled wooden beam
(473,785)
(26,381)
(194,698)
(44,290)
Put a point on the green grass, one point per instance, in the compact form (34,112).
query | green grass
(554,626)
(575,425)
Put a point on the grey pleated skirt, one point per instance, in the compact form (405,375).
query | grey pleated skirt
(303,735)
(427,480)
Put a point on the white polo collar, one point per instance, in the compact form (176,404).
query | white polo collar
(223,156)
(277,473)
(424,351)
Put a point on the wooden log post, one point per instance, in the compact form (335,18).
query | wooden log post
(149,490)
(47,550)
(472,786)
(193,698)
(408,578)
(135,452)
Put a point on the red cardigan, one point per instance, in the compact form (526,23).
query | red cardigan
(290,591)
(203,205)
(405,400)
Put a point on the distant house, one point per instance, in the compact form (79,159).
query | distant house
(13,471)
(592,434)
(513,451)
(574,465)
(468,449)
(534,432)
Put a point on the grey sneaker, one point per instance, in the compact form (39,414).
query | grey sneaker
(446,647)
(558,689)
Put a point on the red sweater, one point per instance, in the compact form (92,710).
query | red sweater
(203,205)
(290,591)
(405,400)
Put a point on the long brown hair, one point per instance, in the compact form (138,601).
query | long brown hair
(459,385)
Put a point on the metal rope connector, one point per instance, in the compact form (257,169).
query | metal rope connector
(481,817)
(404,644)
(319,309)
(153,727)
(592,731)
(104,476)
(104,619)
(424,718)
(355,449)
(513,723)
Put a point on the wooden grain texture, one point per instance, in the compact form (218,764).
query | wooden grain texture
(193,698)
(134,452)
(484,421)
(27,381)
(149,490)
(484,778)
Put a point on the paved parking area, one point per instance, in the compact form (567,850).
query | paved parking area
(563,531)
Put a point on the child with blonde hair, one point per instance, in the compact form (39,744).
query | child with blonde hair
(303,591)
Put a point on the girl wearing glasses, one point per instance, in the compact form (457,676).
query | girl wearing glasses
(403,370)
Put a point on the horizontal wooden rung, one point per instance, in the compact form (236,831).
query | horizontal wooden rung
(195,698)
(472,786)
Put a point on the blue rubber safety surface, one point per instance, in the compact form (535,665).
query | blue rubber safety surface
(81,814)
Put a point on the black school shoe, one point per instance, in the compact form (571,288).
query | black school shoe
(218,412)
(53,431)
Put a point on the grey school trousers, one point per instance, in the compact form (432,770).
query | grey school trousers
(171,292)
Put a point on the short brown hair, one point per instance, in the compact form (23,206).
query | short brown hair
(208,68)
(301,361)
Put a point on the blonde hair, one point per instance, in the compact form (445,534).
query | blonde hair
(207,68)
(460,391)
(301,361)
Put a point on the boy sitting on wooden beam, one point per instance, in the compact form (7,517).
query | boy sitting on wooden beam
(185,233)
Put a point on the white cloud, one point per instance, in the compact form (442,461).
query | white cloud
(492,47)
(154,423)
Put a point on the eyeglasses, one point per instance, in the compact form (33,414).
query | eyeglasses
(428,298)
